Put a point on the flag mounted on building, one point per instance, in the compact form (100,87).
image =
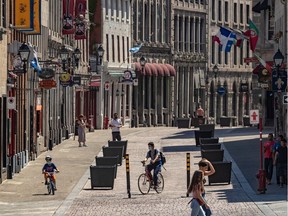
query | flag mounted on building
(253,34)
(135,49)
(80,24)
(225,37)
(264,63)
(23,14)
(68,17)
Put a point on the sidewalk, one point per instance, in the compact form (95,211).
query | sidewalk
(25,194)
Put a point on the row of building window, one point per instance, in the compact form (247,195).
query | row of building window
(189,34)
(150,21)
(119,48)
(227,12)
(117,8)
(194,1)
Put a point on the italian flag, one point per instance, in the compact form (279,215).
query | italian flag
(264,63)
(253,34)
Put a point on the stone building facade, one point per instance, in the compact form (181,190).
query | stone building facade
(233,71)
(189,36)
(153,99)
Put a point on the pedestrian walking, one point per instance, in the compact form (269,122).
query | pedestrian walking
(197,188)
(116,124)
(280,161)
(276,145)
(268,159)
(208,169)
(81,130)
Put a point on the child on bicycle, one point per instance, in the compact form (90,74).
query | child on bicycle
(49,167)
(155,163)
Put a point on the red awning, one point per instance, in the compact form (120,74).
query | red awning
(165,69)
(159,69)
(95,84)
(153,69)
(148,70)
(171,69)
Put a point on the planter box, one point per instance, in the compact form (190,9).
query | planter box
(222,173)
(213,155)
(201,134)
(198,122)
(207,127)
(213,140)
(225,121)
(119,144)
(246,121)
(211,146)
(107,161)
(184,122)
(114,151)
(102,176)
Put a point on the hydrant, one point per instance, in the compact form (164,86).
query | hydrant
(106,122)
(261,176)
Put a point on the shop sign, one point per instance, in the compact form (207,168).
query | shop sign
(244,87)
(127,76)
(47,84)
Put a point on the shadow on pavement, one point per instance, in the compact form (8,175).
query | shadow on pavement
(184,148)
(246,154)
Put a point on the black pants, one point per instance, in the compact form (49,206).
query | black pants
(116,136)
(268,164)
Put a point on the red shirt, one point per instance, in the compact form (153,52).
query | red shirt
(268,149)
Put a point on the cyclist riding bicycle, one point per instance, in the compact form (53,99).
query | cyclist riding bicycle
(49,167)
(155,163)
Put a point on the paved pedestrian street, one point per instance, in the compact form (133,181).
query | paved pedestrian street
(21,196)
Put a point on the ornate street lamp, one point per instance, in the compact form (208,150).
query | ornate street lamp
(215,71)
(278,59)
(24,52)
(100,52)
(142,61)
(77,55)
(64,53)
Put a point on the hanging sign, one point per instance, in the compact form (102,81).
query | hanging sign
(47,84)
(23,14)
(221,91)
(36,19)
(68,17)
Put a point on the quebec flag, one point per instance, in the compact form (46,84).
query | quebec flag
(34,62)
(225,38)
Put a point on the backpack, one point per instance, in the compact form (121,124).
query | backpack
(162,158)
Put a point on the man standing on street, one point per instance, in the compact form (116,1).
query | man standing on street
(268,160)
(116,124)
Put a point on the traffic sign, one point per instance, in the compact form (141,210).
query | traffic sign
(285,99)
(106,85)
(254,116)
(221,90)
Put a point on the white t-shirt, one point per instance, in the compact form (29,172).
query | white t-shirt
(116,124)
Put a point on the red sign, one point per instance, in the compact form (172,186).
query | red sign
(47,84)
(254,116)
(106,86)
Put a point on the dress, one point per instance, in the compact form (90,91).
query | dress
(81,131)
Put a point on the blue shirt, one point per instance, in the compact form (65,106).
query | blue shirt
(49,167)
(276,146)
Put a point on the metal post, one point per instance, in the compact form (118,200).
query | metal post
(188,170)
(128,175)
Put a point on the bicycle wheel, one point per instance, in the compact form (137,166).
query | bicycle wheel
(160,183)
(52,187)
(143,184)
(49,188)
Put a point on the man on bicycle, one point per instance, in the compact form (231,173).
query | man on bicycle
(155,163)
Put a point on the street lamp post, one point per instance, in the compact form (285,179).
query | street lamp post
(70,61)
(215,72)
(24,52)
(100,53)
(142,63)
(278,59)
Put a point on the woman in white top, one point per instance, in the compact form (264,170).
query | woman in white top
(196,188)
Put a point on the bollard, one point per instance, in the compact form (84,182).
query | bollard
(188,171)
(128,175)
(9,168)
